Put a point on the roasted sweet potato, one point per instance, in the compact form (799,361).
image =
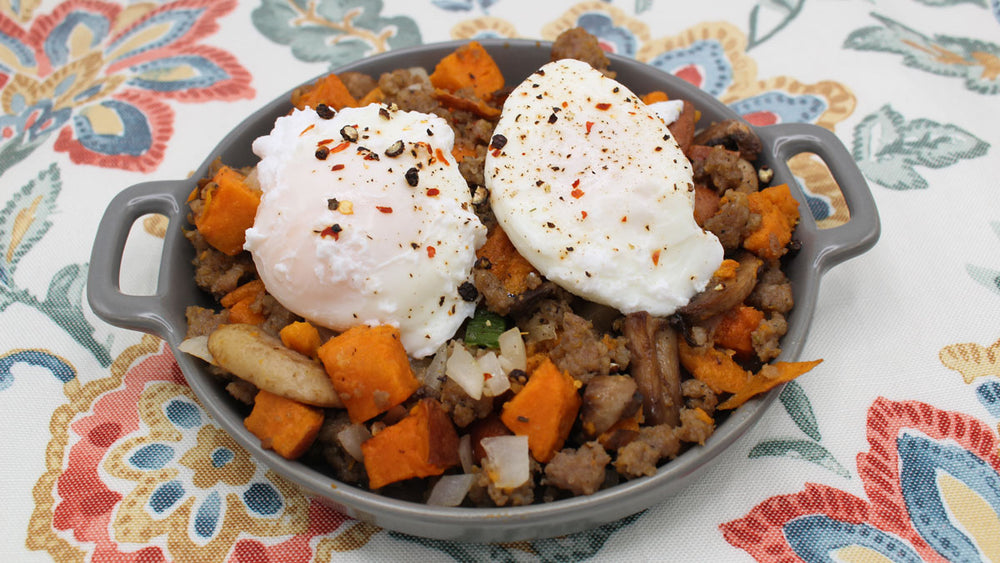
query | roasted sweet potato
(712,366)
(329,90)
(544,410)
(470,66)
(302,337)
(779,213)
(229,210)
(288,427)
(369,369)
(735,329)
(424,443)
(769,376)
(505,262)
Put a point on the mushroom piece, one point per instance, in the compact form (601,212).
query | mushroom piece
(652,345)
(734,135)
(720,295)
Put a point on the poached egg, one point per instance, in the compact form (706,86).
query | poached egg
(593,190)
(365,219)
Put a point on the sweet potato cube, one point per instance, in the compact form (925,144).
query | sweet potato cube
(302,337)
(469,66)
(288,427)
(329,90)
(424,443)
(544,410)
(369,369)
(779,213)
(230,209)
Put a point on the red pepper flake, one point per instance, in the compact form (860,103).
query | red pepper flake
(603,106)
(496,152)
(340,147)
(624,218)
(383,209)
(323,142)
(656,257)
(337,167)
(577,193)
(332,231)
(583,214)
(431,252)
(576,183)
(589,125)
(440,156)
(565,105)
(433,192)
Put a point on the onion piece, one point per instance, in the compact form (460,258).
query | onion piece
(465,453)
(197,346)
(512,353)
(450,490)
(351,438)
(463,369)
(434,374)
(496,380)
(508,459)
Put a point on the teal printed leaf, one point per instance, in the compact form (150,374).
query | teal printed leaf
(334,31)
(25,220)
(987,277)
(642,6)
(978,62)
(453,5)
(64,305)
(887,148)
(17,148)
(800,449)
(945,3)
(799,408)
(775,16)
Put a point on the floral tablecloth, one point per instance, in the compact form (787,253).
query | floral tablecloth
(887,451)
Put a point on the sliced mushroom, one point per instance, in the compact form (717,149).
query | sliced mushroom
(652,344)
(251,354)
(734,135)
(723,294)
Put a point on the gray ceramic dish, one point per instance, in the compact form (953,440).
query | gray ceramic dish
(163,313)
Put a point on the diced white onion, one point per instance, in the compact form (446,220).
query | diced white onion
(509,460)
(465,453)
(351,439)
(435,370)
(464,370)
(197,346)
(496,382)
(450,490)
(512,353)
(539,332)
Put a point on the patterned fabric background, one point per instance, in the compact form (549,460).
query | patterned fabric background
(888,451)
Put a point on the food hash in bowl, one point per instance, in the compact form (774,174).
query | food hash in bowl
(447,291)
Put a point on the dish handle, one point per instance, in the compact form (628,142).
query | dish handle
(146,313)
(862,229)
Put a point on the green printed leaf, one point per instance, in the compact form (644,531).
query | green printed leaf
(887,148)
(978,62)
(986,277)
(775,16)
(800,449)
(642,6)
(799,408)
(25,220)
(64,305)
(335,31)
(17,148)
